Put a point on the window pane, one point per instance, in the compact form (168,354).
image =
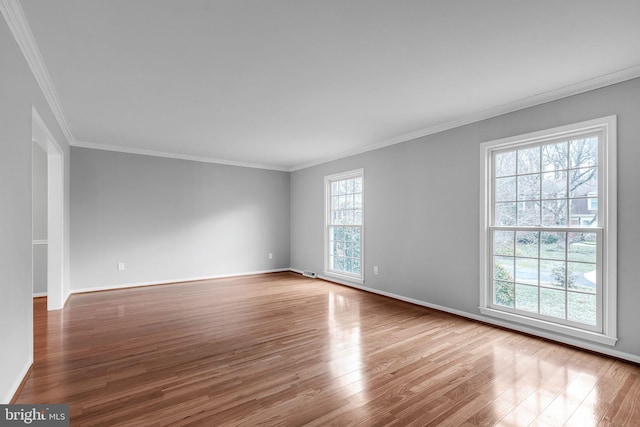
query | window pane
(356,266)
(503,242)
(573,276)
(554,185)
(348,217)
(338,248)
(358,185)
(357,218)
(355,233)
(335,203)
(349,186)
(357,201)
(343,187)
(344,249)
(348,234)
(337,233)
(581,308)
(529,213)
(552,273)
(582,247)
(527,298)
(527,243)
(583,182)
(342,202)
(503,268)
(552,302)
(583,152)
(553,245)
(527,271)
(580,215)
(348,265)
(554,156)
(505,189)
(505,213)
(583,276)
(529,160)
(350,201)
(554,212)
(505,163)
(504,293)
(348,249)
(529,187)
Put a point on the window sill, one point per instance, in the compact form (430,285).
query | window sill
(343,277)
(551,327)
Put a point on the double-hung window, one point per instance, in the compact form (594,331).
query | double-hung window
(548,231)
(344,225)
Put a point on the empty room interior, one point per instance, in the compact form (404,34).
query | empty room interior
(221,212)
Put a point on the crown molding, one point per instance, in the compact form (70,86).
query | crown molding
(170,155)
(564,92)
(19,26)
(17,22)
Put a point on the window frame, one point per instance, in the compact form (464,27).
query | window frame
(328,180)
(606,331)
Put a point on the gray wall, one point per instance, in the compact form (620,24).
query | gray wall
(40,191)
(40,260)
(170,219)
(431,254)
(39,211)
(19,92)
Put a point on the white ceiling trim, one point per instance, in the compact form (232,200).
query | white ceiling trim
(596,83)
(155,153)
(17,21)
(592,84)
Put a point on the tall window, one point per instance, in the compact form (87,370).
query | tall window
(344,225)
(548,236)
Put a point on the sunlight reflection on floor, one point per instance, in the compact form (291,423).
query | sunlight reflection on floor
(346,353)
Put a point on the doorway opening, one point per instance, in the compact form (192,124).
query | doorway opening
(57,288)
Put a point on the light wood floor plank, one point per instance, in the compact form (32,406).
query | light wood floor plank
(280,349)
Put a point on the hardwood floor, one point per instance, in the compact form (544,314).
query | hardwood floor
(280,349)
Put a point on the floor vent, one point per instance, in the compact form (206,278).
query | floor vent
(308,273)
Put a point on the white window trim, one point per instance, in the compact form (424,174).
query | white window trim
(607,205)
(327,207)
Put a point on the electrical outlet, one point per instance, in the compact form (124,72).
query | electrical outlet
(375,270)
(270,255)
(121,266)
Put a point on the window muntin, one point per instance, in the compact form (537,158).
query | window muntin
(344,225)
(548,237)
(550,184)
(547,274)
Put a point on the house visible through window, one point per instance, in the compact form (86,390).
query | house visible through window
(548,243)
(344,225)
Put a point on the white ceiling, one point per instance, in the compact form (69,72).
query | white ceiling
(288,83)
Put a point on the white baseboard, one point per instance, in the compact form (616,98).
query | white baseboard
(39,294)
(520,328)
(168,281)
(16,384)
